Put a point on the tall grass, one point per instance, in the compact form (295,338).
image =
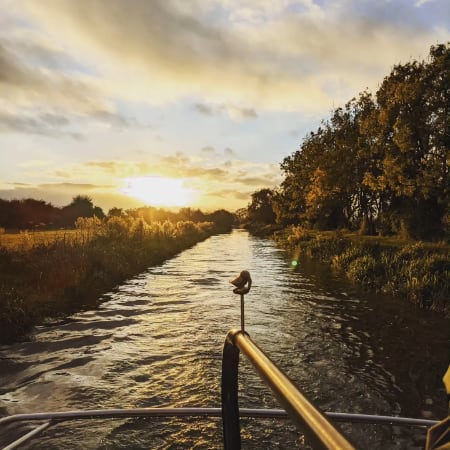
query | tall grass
(417,271)
(41,279)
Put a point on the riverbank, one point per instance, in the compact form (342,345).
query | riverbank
(47,279)
(417,271)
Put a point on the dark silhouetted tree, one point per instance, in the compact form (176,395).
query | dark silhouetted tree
(81,206)
(260,209)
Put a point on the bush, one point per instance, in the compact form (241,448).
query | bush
(343,260)
(427,280)
(366,270)
(325,247)
(298,234)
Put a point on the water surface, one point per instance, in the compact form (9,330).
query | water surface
(157,341)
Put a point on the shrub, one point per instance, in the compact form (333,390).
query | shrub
(343,260)
(427,280)
(297,234)
(366,270)
(325,247)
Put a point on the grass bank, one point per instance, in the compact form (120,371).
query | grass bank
(45,276)
(417,271)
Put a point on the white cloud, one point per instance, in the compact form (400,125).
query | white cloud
(422,2)
(273,55)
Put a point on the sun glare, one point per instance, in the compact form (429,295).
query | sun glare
(158,191)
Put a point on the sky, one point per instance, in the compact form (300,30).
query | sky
(185,102)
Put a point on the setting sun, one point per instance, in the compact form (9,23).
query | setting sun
(158,191)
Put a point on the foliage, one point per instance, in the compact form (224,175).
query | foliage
(419,271)
(297,234)
(366,270)
(260,208)
(379,164)
(30,214)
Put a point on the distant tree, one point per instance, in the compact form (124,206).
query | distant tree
(116,212)
(241,215)
(223,219)
(81,206)
(190,214)
(38,213)
(27,214)
(260,208)
(98,212)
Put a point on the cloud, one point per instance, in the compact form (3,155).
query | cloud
(256,181)
(26,85)
(208,150)
(233,112)
(26,190)
(204,109)
(232,193)
(61,194)
(204,173)
(46,124)
(55,124)
(288,55)
(42,90)
(237,113)
(227,182)
(422,2)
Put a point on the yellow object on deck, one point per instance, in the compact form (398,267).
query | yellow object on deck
(438,436)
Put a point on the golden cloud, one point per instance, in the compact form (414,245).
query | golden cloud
(229,184)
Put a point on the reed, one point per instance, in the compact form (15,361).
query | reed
(417,271)
(52,278)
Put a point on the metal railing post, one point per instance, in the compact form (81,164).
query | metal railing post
(243,283)
(242,313)
(230,406)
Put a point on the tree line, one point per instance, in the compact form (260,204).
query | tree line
(379,164)
(31,214)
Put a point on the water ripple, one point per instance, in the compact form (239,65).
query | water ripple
(157,341)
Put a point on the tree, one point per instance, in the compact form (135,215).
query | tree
(222,219)
(81,206)
(260,209)
(27,214)
(378,164)
(241,215)
(414,102)
(116,212)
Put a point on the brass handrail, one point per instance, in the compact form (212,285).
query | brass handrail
(319,431)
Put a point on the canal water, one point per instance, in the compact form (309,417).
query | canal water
(157,340)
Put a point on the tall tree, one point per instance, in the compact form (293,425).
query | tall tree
(414,125)
(378,164)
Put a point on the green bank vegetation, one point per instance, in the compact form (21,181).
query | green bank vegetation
(412,270)
(379,169)
(41,278)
